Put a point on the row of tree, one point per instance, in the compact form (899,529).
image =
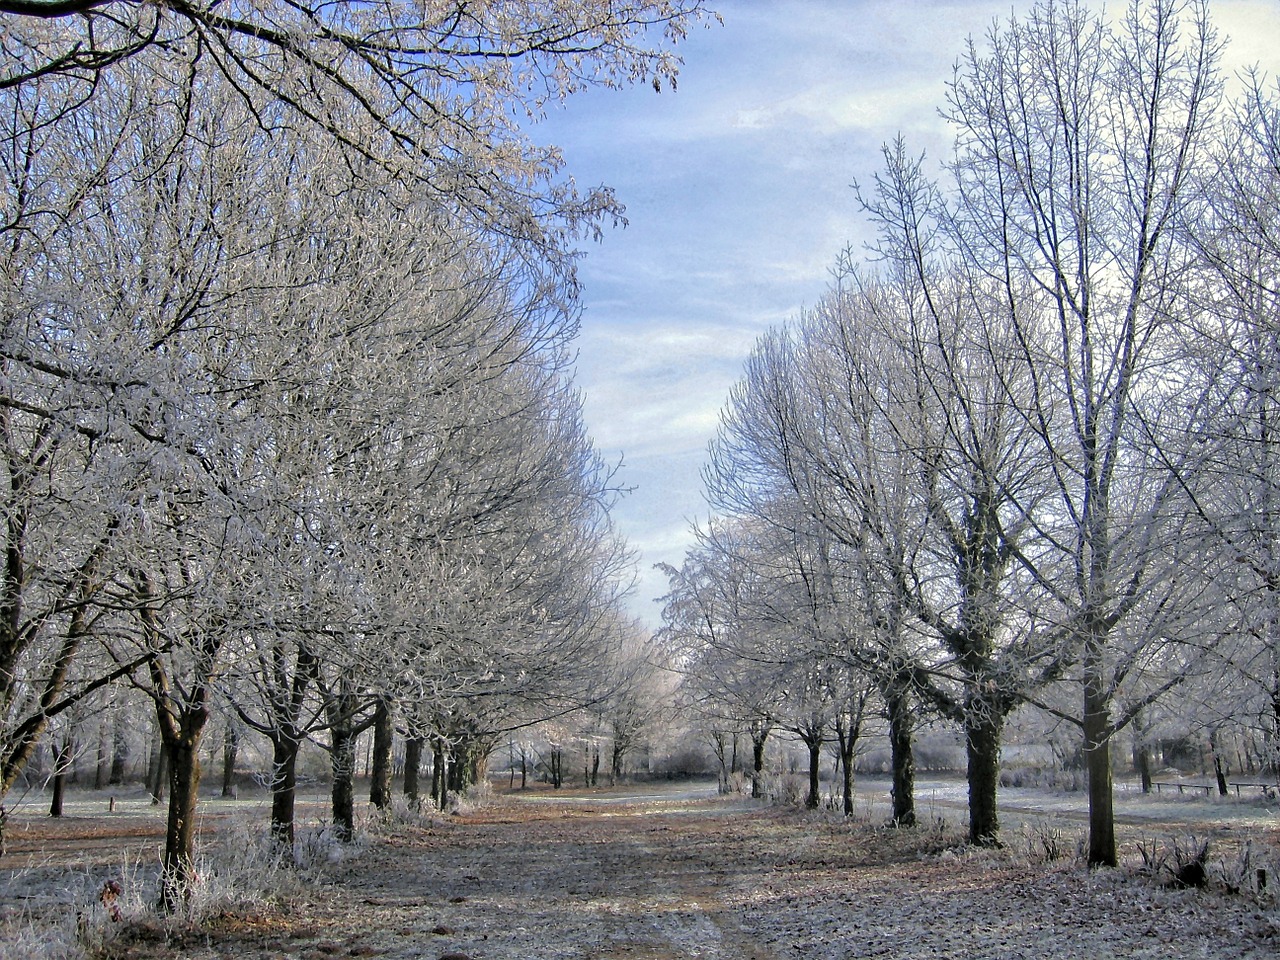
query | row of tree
(1029,447)
(287,425)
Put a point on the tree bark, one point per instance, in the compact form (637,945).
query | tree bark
(1097,754)
(183,748)
(983,749)
(119,748)
(759,737)
(718,744)
(615,761)
(901,728)
(343,761)
(284,788)
(383,740)
(847,733)
(230,750)
(814,797)
(61,760)
(412,766)
(439,776)
(1143,759)
(158,772)
(102,765)
(1218,771)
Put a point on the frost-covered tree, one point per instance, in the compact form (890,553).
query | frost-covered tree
(433,93)
(719,643)
(762,465)
(1233,358)
(906,431)
(1078,141)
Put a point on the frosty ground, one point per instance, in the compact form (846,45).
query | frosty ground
(675,871)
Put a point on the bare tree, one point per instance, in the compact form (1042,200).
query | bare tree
(1077,145)
(1232,351)
(771,461)
(719,644)
(426,92)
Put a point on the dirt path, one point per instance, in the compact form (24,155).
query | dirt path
(637,879)
(651,875)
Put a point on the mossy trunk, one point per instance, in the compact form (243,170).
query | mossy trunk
(901,731)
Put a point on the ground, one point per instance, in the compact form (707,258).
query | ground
(674,871)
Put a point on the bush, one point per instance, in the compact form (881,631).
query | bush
(786,790)
(1044,778)
(1042,842)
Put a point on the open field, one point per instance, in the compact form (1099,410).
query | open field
(674,871)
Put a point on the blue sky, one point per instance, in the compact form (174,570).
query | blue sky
(738,188)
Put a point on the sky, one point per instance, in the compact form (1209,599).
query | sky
(739,197)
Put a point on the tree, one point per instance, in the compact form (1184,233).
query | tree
(1077,145)
(762,465)
(640,700)
(716,641)
(433,93)
(907,420)
(1233,342)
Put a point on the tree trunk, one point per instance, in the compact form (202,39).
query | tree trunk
(759,737)
(159,772)
(412,764)
(440,776)
(983,749)
(230,750)
(1144,766)
(718,744)
(343,794)
(178,868)
(470,763)
(284,788)
(1097,753)
(119,748)
(615,762)
(557,779)
(1218,771)
(847,739)
(901,728)
(846,782)
(383,740)
(102,766)
(61,760)
(814,797)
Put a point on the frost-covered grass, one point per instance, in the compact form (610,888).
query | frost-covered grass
(671,863)
(69,904)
